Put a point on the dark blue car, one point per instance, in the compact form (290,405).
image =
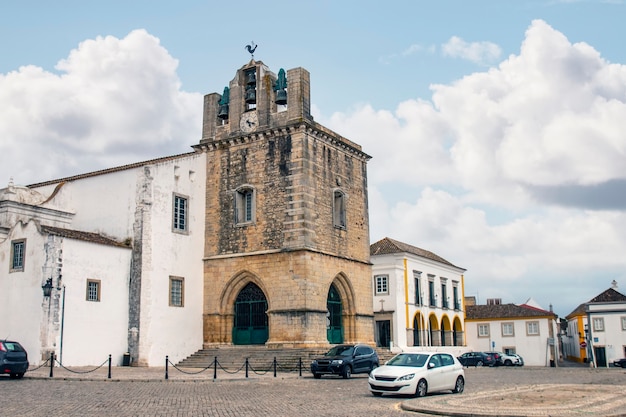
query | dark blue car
(13,359)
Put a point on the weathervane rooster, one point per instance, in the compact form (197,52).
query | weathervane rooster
(251,48)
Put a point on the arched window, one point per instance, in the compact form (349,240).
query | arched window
(244,205)
(339,209)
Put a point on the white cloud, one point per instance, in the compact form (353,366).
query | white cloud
(482,53)
(114,101)
(505,171)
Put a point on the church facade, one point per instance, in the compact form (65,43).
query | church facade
(260,235)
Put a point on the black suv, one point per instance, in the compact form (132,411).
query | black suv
(13,359)
(345,360)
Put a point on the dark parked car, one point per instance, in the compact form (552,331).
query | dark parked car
(497,357)
(345,360)
(476,359)
(620,362)
(13,359)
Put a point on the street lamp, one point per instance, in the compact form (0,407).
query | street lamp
(47,288)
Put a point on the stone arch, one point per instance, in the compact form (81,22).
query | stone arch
(433,331)
(344,287)
(446,331)
(457,332)
(420,333)
(221,322)
(235,285)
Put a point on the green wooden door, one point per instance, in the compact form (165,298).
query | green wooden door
(334,328)
(250,317)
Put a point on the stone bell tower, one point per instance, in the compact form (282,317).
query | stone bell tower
(287,234)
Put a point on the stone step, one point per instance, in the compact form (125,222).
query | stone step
(260,356)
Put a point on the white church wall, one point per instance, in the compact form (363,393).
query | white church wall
(166,330)
(23,303)
(94,329)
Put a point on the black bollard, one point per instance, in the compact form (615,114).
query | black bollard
(299,366)
(51,364)
(246,367)
(274,366)
(166,361)
(109,376)
(215,368)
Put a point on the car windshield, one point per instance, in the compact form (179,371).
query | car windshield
(408,359)
(341,351)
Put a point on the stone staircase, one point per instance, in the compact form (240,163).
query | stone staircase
(232,357)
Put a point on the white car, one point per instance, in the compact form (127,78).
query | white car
(418,373)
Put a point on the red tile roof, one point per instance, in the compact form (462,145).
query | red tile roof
(84,236)
(504,311)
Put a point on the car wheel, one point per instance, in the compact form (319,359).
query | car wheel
(422,388)
(459,386)
(347,372)
(377,394)
(508,362)
(479,363)
(317,376)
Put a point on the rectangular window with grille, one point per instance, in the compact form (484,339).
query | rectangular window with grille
(455,294)
(508,329)
(417,279)
(598,324)
(177,291)
(179,221)
(431,291)
(483,330)
(18,248)
(532,328)
(93,290)
(382,284)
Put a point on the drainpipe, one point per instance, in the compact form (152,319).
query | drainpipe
(406,297)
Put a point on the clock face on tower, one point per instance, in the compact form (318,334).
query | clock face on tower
(249,121)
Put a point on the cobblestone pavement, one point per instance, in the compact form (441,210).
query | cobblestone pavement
(526,391)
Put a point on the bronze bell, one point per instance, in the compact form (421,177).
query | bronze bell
(251,96)
(281,97)
(223,112)
(251,78)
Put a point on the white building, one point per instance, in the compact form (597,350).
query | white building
(418,298)
(117,249)
(524,329)
(605,340)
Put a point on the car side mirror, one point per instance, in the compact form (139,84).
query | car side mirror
(431,365)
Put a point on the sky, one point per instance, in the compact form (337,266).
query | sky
(497,128)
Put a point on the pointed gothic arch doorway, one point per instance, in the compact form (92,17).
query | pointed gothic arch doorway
(334,327)
(251,326)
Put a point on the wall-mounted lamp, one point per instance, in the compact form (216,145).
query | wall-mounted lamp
(47,288)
